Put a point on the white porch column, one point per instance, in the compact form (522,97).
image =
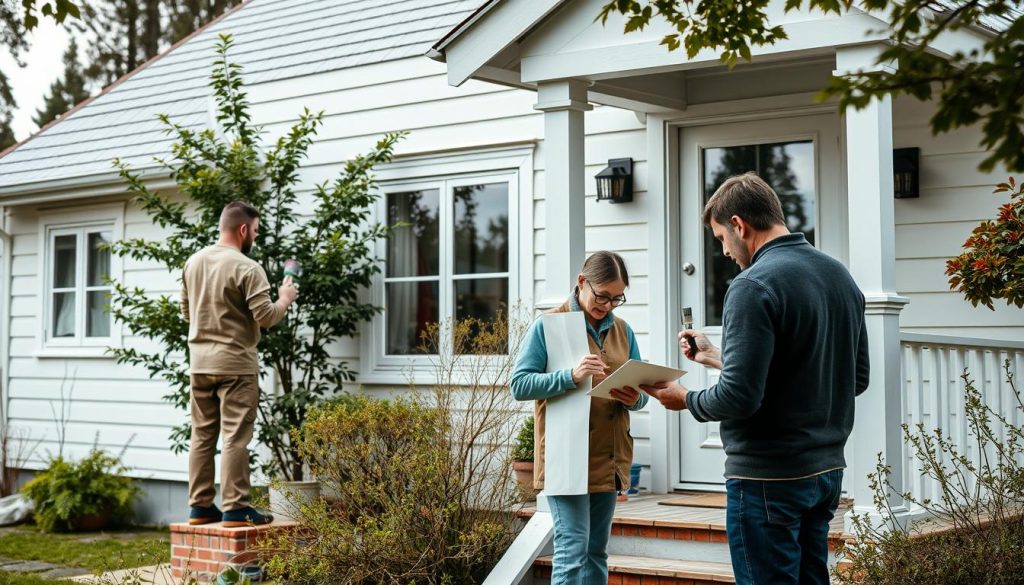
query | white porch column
(563,104)
(873,264)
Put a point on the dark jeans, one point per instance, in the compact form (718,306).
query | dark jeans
(778,530)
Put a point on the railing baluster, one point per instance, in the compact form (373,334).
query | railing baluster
(933,395)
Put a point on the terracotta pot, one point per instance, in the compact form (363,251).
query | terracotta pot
(92,522)
(524,477)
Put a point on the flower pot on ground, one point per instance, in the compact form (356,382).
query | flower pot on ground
(288,497)
(522,459)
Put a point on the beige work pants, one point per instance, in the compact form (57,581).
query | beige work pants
(221,405)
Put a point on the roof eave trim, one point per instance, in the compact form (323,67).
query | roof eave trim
(80,187)
(460,28)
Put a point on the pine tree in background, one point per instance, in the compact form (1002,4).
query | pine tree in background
(65,93)
(120,35)
(12,38)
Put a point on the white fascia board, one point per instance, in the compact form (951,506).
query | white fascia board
(805,37)
(80,187)
(491,34)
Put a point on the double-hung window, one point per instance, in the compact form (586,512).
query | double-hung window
(75,286)
(461,248)
(448,259)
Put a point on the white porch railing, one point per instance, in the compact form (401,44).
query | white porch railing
(933,392)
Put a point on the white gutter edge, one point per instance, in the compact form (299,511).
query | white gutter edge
(5,311)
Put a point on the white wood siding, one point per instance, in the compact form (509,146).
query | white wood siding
(111,406)
(955,197)
(360,104)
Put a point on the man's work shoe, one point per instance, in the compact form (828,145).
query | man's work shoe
(204,515)
(247,516)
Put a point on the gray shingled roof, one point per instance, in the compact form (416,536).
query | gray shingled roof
(274,39)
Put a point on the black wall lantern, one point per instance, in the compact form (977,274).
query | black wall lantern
(906,173)
(615,182)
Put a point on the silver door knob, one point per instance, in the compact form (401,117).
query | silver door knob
(689,268)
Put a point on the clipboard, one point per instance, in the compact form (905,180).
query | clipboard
(634,373)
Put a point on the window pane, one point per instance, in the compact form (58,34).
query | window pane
(64,314)
(64,261)
(481,228)
(97,319)
(99,258)
(411,307)
(413,249)
(789,168)
(481,299)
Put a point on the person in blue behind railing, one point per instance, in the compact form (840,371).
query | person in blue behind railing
(794,355)
(583,522)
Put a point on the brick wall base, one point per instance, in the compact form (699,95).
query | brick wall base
(203,551)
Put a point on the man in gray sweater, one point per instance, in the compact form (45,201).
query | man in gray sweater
(794,355)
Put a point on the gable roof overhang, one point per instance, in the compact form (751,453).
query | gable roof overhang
(522,44)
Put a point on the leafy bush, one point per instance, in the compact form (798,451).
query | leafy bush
(68,491)
(523,448)
(426,493)
(992,264)
(975,534)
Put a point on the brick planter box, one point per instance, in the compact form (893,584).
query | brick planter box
(203,551)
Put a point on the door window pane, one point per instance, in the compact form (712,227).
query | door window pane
(97,319)
(99,259)
(64,314)
(64,256)
(411,308)
(789,168)
(481,228)
(413,247)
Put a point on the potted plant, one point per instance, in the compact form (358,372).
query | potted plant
(89,494)
(522,457)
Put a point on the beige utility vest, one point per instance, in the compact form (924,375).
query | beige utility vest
(611,446)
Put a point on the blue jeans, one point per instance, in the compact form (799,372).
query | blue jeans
(778,530)
(583,525)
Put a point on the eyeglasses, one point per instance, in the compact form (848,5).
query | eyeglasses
(605,299)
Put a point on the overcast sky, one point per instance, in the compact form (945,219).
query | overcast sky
(32,82)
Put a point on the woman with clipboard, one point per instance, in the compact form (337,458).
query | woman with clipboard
(583,522)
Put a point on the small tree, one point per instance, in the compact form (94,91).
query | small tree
(992,264)
(333,245)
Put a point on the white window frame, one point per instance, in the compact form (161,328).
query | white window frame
(446,172)
(80,222)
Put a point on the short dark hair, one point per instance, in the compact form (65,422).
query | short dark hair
(749,197)
(605,267)
(236,213)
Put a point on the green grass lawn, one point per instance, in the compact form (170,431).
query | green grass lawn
(22,579)
(94,551)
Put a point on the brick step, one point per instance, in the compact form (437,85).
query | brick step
(638,570)
(203,551)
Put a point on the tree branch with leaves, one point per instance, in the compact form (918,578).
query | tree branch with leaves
(980,85)
(333,244)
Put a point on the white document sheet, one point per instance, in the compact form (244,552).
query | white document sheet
(634,373)
(567,418)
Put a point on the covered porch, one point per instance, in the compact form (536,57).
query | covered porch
(694,110)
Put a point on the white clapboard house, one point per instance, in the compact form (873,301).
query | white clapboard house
(527,100)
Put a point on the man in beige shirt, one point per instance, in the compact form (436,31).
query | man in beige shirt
(225,297)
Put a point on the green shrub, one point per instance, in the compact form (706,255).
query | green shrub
(425,490)
(522,450)
(68,491)
(974,533)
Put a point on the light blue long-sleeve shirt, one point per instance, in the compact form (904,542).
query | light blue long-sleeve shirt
(531,381)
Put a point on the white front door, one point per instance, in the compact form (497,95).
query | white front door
(799,158)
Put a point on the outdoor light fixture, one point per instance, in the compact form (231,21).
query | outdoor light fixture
(615,182)
(906,173)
